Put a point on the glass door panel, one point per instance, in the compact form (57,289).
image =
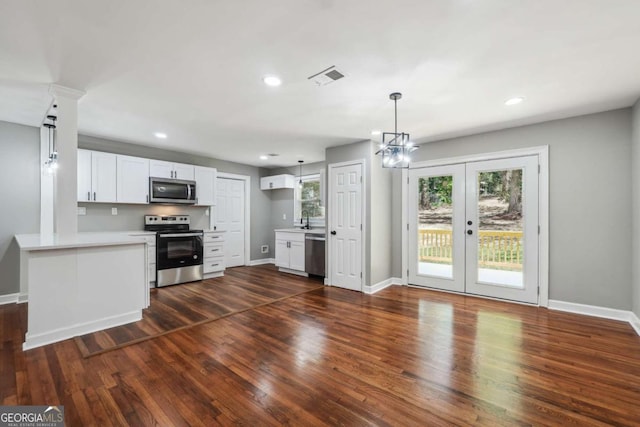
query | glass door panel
(436,205)
(502,228)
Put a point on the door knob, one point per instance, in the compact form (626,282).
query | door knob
(469,232)
(333,233)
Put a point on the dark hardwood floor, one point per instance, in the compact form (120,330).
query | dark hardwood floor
(177,307)
(329,356)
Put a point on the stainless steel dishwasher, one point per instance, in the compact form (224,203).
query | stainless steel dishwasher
(314,254)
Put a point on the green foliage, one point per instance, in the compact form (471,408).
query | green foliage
(435,191)
(310,199)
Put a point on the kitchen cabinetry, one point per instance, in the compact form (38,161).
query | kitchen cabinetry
(162,169)
(290,252)
(213,263)
(132,179)
(277,181)
(205,185)
(150,238)
(96,176)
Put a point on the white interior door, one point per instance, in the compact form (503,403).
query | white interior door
(474,228)
(437,204)
(230,218)
(346,226)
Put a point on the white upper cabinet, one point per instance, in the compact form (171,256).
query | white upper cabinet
(277,181)
(96,176)
(133,179)
(205,185)
(162,169)
(182,171)
(84,176)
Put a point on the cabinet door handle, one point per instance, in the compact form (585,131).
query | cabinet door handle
(94,196)
(89,195)
(147,198)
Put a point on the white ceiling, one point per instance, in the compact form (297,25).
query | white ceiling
(193,68)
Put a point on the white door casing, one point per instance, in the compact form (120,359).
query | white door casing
(465,230)
(346,221)
(230,217)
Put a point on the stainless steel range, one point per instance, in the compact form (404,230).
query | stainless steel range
(179,250)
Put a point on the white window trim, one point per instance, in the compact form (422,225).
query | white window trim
(312,221)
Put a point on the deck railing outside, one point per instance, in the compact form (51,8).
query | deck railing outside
(496,249)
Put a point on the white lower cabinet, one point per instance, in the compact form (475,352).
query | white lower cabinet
(151,256)
(213,262)
(290,251)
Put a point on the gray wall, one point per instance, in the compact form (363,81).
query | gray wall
(380,216)
(130,216)
(20,191)
(635,179)
(590,207)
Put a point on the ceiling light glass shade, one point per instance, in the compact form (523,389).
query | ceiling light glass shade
(395,150)
(51,165)
(396,147)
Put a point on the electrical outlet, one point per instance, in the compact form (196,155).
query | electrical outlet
(114,211)
(82,210)
(264,249)
(284,217)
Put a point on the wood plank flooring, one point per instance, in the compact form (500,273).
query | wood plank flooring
(402,357)
(177,307)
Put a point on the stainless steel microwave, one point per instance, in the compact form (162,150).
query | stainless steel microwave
(173,191)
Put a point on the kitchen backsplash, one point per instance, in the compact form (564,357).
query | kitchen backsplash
(131,217)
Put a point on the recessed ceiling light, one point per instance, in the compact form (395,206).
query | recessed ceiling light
(514,101)
(272,80)
(160,135)
(263,157)
(376,132)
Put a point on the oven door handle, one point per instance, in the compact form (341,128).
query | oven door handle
(162,236)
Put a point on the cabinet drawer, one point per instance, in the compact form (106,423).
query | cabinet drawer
(212,265)
(213,250)
(291,237)
(213,238)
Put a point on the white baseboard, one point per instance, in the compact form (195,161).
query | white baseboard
(296,272)
(262,261)
(596,311)
(326,281)
(9,298)
(33,341)
(22,298)
(381,285)
(634,322)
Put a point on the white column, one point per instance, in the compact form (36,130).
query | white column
(65,193)
(46,186)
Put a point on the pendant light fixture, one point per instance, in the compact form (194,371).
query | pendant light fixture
(300,162)
(396,147)
(52,162)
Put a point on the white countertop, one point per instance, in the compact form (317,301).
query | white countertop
(303,230)
(38,242)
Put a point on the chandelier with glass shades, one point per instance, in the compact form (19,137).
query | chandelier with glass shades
(396,147)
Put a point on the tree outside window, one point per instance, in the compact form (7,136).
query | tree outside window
(308,200)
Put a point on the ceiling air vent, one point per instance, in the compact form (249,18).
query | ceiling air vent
(327,76)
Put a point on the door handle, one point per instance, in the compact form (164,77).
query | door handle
(469,232)
(333,232)
(94,196)
(89,195)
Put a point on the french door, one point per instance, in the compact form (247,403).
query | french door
(473,228)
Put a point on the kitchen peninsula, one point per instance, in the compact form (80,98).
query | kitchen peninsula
(81,283)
